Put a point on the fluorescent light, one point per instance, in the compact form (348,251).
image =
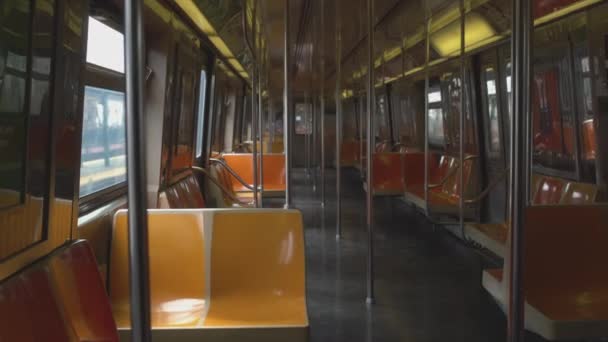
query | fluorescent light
(447,40)
(199,19)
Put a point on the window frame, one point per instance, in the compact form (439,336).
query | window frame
(100,77)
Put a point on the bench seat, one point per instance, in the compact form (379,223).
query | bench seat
(566,292)
(240,275)
(274,172)
(545,190)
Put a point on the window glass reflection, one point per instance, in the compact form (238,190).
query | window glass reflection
(103,161)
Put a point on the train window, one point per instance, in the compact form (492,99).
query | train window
(553,123)
(491,100)
(14,39)
(103,162)
(106,46)
(303,123)
(381,124)
(435,117)
(200,121)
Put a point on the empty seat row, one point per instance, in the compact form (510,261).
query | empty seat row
(444,188)
(545,190)
(566,293)
(218,274)
(273,172)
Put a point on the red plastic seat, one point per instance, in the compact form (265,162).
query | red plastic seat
(549,191)
(61,298)
(184,194)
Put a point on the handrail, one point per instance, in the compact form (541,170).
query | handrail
(220,185)
(452,172)
(232,172)
(490,186)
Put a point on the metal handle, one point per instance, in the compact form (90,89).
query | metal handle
(232,172)
(220,185)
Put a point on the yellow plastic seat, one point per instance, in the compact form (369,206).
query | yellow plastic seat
(218,274)
(177,277)
(257,284)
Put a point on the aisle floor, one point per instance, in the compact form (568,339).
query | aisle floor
(427,283)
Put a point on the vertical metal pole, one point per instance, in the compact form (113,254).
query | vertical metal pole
(261,121)
(254,133)
(462,117)
(520,43)
(287,115)
(136,171)
(315,133)
(370,151)
(306,136)
(426,110)
(322,103)
(338,121)
(525,68)
(254,130)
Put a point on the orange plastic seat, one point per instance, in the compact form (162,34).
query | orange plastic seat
(60,298)
(388,174)
(566,292)
(274,172)
(579,193)
(544,189)
(218,274)
(549,190)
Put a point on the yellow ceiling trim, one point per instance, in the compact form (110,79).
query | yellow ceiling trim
(199,19)
(565,11)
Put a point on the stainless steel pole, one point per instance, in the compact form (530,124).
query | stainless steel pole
(322,103)
(261,121)
(370,151)
(520,49)
(287,115)
(307,136)
(462,117)
(254,133)
(136,171)
(338,121)
(426,111)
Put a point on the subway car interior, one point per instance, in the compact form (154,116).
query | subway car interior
(304,170)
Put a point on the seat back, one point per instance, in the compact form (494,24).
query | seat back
(176,259)
(235,260)
(562,247)
(452,186)
(579,193)
(186,193)
(242,164)
(60,298)
(388,173)
(413,169)
(439,167)
(549,191)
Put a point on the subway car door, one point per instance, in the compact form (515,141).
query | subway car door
(493,137)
